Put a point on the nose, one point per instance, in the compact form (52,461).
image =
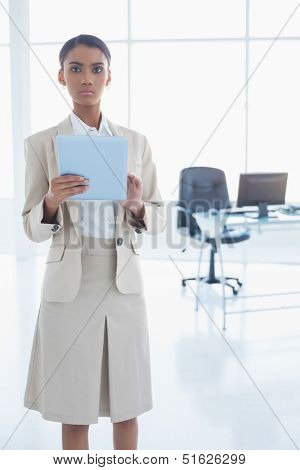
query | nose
(87,78)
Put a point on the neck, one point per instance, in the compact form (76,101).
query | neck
(91,115)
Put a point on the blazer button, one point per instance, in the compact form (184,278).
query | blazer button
(119,241)
(55,228)
(138,230)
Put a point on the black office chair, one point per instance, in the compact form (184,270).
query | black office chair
(202,189)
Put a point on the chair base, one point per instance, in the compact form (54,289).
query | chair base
(212,278)
(215,280)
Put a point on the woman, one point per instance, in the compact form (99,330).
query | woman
(90,355)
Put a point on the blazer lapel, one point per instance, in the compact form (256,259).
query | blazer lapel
(120,211)
(65,127)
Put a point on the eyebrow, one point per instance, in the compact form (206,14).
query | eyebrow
(79,63)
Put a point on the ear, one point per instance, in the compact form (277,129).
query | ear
(108,78)
(61,77)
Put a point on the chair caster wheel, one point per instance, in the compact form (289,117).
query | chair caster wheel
(235,292)
(183,283)
(239,283)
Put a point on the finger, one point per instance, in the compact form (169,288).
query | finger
(131,177)
(134,178)
(70,185)
(68,178)
(137,181)
(72,191)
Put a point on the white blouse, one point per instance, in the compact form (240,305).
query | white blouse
(97,218)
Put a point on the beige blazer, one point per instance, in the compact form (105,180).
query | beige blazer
(62,276)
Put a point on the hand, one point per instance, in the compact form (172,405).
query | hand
(63,187)
(134,200)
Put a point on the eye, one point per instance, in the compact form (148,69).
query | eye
(99,69)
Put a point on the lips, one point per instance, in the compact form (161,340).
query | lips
(86,92)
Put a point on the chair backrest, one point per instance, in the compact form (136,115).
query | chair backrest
(200,189)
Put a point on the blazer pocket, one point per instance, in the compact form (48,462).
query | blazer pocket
(56,253)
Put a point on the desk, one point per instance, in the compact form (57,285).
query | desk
(282,222)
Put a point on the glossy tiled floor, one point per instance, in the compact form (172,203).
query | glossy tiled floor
(212,389)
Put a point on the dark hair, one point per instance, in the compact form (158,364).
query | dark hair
(87,40)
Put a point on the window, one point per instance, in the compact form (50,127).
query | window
(187,19)
(180,91)
(274,112)
(179,71)
(4,22)
(268,17)
(58,20)
(6,159)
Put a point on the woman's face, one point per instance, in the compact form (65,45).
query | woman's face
(85,68)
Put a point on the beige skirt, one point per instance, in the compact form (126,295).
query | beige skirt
(90,357)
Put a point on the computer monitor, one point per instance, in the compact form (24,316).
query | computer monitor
(262,189)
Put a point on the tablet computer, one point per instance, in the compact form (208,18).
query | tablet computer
(102,159)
